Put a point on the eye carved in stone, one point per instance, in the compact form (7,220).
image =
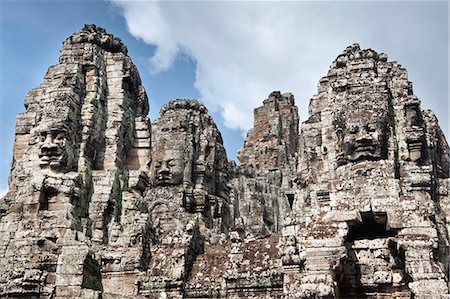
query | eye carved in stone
(353,129)
(371,128)
(43,136)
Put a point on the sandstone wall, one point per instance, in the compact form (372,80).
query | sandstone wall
(368,175)
(104,204)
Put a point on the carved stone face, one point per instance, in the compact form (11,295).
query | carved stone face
(412,114)
(362,137)
(170,168)
(52,148)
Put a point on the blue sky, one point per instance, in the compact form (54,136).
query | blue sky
(228,54)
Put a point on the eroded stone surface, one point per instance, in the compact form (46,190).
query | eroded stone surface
(102,202)
(368,184)
(72,196)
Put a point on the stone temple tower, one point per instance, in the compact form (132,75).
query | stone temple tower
(83,139)
(370,211)
(103,203)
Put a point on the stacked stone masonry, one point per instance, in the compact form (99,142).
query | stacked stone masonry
(103,203)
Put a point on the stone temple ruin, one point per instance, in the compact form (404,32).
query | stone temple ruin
(103,203)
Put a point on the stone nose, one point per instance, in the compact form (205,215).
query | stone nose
(164,169)
(364,136)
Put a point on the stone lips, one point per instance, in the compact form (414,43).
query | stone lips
(103,202)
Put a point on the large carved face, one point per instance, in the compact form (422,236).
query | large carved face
(362,136)
(52,148)
(169,169)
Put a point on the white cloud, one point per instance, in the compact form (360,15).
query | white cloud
(158,32)
(245,50)
(3,192)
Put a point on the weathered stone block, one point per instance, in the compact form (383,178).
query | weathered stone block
(103,203)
